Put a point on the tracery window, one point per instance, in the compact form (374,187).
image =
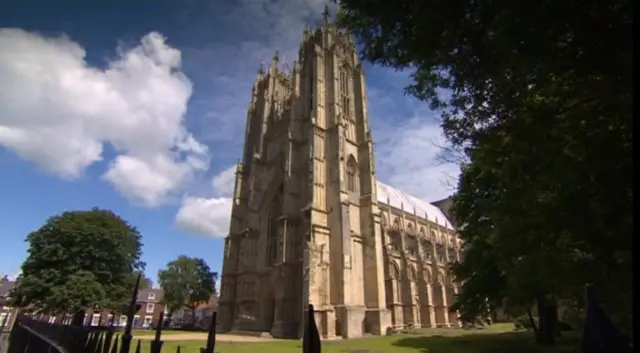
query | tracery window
(452,254)
(412,245)
(410,228)
(352,175)
(412,274)
(394,276)
(440,253)
(393,240)
(311,83)
(427,276)
(344,91)
(275,209)
(427,250)
(393,271)
(396,223)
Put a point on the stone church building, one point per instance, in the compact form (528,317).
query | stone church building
(311,224)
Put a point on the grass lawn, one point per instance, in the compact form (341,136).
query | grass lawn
(495,339)
(147,332)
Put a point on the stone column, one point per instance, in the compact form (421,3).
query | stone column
(378,317)
(416,312)
(456,315)
(445,307)
(431,320)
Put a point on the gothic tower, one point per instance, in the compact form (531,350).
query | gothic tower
(305,225)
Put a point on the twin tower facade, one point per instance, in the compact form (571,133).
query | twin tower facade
(310,223)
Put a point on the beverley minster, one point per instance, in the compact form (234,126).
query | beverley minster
(310,223)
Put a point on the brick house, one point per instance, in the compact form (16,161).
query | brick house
(204,313)
(7,313)
(151,302)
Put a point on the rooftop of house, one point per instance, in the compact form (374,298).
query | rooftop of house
(5,288)
(151,295)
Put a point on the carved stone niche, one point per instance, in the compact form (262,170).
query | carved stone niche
(440,253)
(452,254)
(412,245)
(427,250)
(393,240)
(396,227)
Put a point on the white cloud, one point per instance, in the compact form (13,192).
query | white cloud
(410,148)
(205,216)
(59,112)
(279,25)
(224,182)
(406,144)
(413,162)
(209,216)
(268,25)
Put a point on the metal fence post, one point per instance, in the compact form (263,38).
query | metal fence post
(127,337)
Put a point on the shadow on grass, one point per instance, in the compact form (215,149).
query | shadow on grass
(509,342)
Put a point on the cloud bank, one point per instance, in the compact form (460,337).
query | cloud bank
(407,141)
(209,216)
(62,114)
(65,115)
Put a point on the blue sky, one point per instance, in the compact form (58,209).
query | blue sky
(140,107)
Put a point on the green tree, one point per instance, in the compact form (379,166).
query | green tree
(187,282)
(545,200)
(145,282)
(79,260)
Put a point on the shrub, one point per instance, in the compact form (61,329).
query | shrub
(523,323)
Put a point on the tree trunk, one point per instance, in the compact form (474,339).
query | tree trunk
(78,318)
(534,326)
(193,316)
(167,323)
(547,320)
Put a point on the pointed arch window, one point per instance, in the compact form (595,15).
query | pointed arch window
(344,81)
(452,254)
(275,211)
(427,276)
(427,250)
(395,282)
(352,175)
(394,272)
(412,245)
(412,274)
(440,253)
(311,84)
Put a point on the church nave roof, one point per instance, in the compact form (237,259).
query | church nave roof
(401,200)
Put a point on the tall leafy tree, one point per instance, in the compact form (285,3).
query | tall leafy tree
(545,201)
(79,260)
(187,282)
(145,282)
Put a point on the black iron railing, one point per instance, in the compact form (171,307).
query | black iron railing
(30,335)
(600,335)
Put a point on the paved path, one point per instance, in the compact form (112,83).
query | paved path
(202,336)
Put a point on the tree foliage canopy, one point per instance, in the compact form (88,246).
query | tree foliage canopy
(538,97)
(145,282)
(187,282)
(79,260)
